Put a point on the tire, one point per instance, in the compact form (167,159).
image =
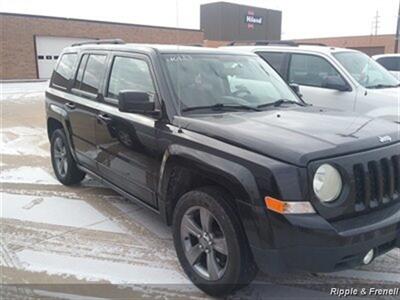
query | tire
(233,265)
(64,165)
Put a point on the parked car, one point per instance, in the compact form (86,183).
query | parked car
(391,62)
(333,77)
(220,147)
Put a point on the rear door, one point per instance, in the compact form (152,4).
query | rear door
(277,60)
(310,72)
(82,106)
(128,150)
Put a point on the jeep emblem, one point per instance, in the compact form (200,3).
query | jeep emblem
(385,139)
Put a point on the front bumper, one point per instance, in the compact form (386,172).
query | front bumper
(310,243)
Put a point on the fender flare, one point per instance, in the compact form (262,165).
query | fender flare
(237,174)
(59,114)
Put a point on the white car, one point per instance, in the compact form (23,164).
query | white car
(391,62)
(337,78)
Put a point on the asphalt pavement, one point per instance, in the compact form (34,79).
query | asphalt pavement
(87,242)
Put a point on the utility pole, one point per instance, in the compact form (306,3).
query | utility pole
(376,22)
(397,37)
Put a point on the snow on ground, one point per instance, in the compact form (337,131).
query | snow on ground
(29,175)
(63,212)
(22,89)
(95,270)
(23,141)
(56,235)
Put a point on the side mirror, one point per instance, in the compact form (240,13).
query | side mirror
(135,102)
(335,83)
(296,88)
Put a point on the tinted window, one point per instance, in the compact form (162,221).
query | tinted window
(64,70)
(310,70)
(390,63)
(129,74)
(79,75)
(275,59)
(89,77)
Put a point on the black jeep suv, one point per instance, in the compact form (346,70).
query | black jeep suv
(218,145)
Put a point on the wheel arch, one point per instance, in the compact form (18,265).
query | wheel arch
(52,125)
(57,119)
(184,169)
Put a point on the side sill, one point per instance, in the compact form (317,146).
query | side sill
(120,191)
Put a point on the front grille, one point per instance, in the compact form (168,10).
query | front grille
(377,183)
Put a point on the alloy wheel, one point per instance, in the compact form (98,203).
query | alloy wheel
(60,156)
(204,243)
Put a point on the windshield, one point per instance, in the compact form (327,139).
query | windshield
(365,70)
(204,80)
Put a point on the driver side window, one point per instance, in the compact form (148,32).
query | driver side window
(130,74)
(311,70)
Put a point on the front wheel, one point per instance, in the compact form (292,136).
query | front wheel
(64,165)
(210,242)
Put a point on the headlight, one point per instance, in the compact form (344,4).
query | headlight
(327,183)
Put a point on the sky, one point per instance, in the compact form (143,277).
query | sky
(301,18)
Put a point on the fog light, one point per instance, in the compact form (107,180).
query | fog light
(368,257)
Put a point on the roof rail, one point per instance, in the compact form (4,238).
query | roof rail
(274,42)
(99,42)
(311,44)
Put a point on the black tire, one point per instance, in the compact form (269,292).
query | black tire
(237,268)
(71,174)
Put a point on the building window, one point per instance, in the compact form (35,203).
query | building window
(40,57)
(48,57)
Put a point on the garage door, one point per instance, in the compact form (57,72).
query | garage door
(48,48)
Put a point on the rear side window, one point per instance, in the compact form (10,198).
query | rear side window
(275,59)
(90,73)
(310,70)
(130,74)
(390,63)
(79,75)
(64,70)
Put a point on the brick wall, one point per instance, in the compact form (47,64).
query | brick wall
(17,47)
(368,43)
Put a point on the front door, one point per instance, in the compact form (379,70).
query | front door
(128,149)
(310,73)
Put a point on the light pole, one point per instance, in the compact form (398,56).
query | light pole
(397,37)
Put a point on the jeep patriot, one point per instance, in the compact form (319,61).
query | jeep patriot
(214,141)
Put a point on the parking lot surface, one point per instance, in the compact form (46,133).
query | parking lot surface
(87,242)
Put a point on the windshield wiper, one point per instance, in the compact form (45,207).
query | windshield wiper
(382,86)
(280,102)
(221,106)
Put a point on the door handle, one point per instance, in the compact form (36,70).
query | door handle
(104,118)
(70,105)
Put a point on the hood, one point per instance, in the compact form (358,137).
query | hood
(391,93)
(389,103)
(295,135)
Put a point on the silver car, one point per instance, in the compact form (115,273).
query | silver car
(333,77)
(391,62)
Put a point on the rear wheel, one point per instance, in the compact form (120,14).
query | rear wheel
(210,242)
(64,165)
